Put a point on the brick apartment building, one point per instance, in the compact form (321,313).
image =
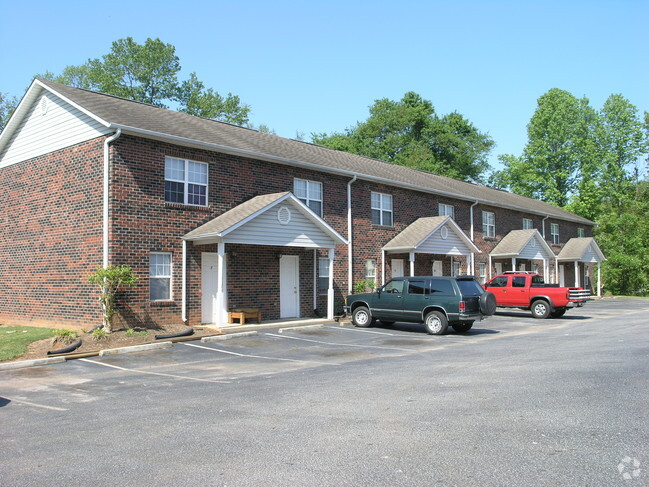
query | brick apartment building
(212,217)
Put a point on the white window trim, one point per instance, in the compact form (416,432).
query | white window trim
(444,209)
(581,233)
(186,182)
(170,277)
(323,274)
(381,209)
(306,199)
(489,228)
(368,275)
(554,234)
(528,224)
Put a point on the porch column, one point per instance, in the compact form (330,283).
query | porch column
(489,267)
(472,258)
(514,263)
(576,273)
(546,269)
(382,268)
(221,305)
(412,263)
(330,290)
(557,279)
(599,279)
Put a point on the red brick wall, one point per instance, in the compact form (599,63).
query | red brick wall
(51,238)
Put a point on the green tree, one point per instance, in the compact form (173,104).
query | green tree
(408,132)
(110,279)
(148,73)
(7,106)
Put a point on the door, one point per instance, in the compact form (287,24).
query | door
(289,286)
(437,268)
(387,303)
(397,268)
(209,271)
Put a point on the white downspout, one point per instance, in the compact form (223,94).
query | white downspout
(350,261)
(110,139)
(543,224)
(184,283)
(472,240)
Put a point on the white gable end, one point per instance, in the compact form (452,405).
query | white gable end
(451,245)
(51,124)
(533,250)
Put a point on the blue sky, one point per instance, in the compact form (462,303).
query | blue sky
(314,66)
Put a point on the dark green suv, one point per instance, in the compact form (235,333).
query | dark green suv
(434,301)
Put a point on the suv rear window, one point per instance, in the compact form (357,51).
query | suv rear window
(469,287)
(442,287)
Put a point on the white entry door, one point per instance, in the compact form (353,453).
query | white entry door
(289,286)
(397,267)
(437,268)
(209,271)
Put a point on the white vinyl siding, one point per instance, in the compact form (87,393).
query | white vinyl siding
(446,210)
(50,125)
(451,245)
(381,209)
(554,232)
(309,193)
(160,276)
(489,224)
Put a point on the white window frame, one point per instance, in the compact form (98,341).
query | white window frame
(309,194)
(456,268)
(382,203)
(370,269)
(186,179)
(323,275)
(528,224)
(482,272)
(554,233)
(581,233)
(489,224)
(157,271)
(446,210)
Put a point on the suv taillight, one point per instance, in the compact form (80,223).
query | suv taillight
(462,306)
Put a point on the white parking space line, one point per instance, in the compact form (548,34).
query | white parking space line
(227,352)
(33,404)
(361,330)
(146,372)
(338,344)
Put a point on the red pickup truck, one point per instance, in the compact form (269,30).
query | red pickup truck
(528,291)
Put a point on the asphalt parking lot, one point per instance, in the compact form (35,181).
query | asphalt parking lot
(338,405)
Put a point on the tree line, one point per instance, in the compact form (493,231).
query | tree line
(589,161)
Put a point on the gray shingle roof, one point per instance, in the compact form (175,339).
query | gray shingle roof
(414,235)
(513,242)
(576,248)
(140,118)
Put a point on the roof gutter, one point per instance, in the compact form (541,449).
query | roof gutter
(107,142)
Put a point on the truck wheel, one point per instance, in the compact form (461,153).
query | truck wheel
(361,317)
(558,313)
(540,309)
(487,303)
(436,323)
(463,327)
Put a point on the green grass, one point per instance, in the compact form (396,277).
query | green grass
(14,340)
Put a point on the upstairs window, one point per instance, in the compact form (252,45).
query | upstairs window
(381,209)
(309,193)
(554,232)
(581,233)
(185,182)
(446,210)
(489,224)
(528,224)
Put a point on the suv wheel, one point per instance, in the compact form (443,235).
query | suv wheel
(361,317)
(540,309)
(436,323)
(463,327)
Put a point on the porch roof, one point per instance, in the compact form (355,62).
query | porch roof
(432,235)
(581,249)
(254,222)
(526,244)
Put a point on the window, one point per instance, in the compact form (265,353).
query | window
(370,269)
(394,287)
(441,287)
(309,193)
(488,224)
(528,224)
(160,276)
(323,275)
(446,210)
(500,281)
(185,182)
(482,272)
(418,287)
(456,268)
(554,232)
(381,209)
(518,281)
(581,233)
